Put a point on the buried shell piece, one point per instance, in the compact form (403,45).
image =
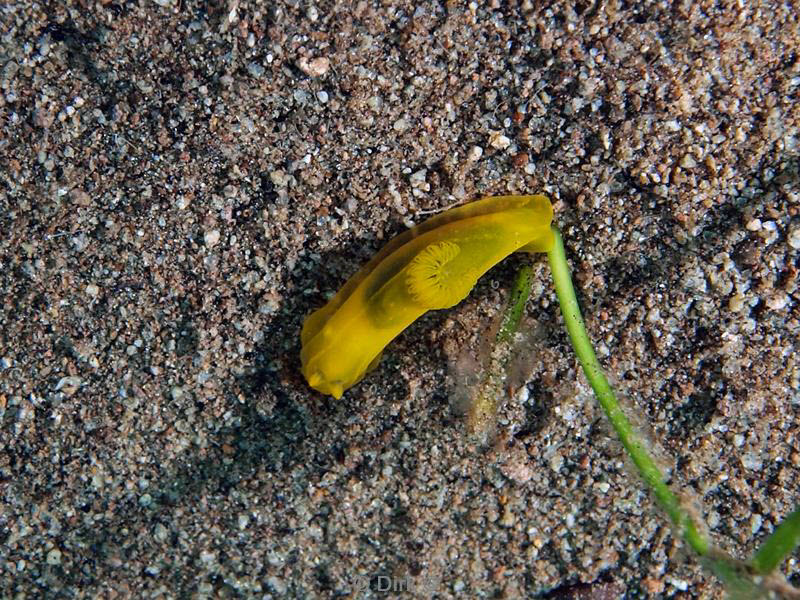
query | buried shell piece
(433,265)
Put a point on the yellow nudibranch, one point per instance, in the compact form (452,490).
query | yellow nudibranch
(433,265)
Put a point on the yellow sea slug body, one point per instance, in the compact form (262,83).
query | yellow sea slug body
(433,265)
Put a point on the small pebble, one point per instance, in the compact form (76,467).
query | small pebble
(400,125)
(777,301)
(736,303)
(793,239)
(754,225)
(508,519)
(278,178)
(255,69)
(499,141)
(161,533)
(316,67)
(211,238)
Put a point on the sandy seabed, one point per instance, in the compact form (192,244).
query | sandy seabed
(181,183)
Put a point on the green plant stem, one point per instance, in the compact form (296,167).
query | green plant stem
(483,408)
(605,395)
(516,304)
(778,545)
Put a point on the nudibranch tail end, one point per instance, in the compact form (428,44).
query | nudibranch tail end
(317,381)
(336,390)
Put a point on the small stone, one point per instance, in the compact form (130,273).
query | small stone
(255,69)
(518,471)
(211,238)
(80,197)
(92,290)
(556,462)
(54,557)
(278,178)
(680,584)
(69,384)
(777,301)
(316,67)
(755,523)
(417,179)
(508,518)
(688,162)
(322,96)
(499,141)
(475,153)
(276,560)
(300,96)
(713,519)
(277,585)
(400,125)
(794,238)
(736,303)
(654,586)
(753,225)
(98,481)
(752,461)
(43,118)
